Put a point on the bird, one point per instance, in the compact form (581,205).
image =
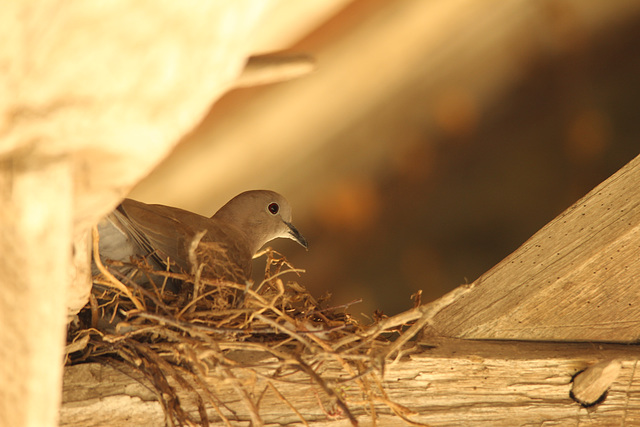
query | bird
(171,238)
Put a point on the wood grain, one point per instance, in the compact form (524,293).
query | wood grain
(444,383)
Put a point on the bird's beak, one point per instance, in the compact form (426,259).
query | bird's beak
(294,234)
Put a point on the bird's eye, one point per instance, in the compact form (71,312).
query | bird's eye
(273,208)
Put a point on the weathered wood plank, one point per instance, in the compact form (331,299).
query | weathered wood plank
(456,382)
(577,279)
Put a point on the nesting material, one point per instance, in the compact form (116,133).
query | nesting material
(199,331)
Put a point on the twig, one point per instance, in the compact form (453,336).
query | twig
(427,311)
(112,281)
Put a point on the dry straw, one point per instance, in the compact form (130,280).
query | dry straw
(221,345)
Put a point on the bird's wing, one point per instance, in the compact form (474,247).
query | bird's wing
(160,231)
(166,232)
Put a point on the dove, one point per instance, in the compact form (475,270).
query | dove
(226,242)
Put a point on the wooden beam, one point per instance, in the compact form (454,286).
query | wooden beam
(443,382)
(577,279)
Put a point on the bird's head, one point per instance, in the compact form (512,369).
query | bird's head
(262,216)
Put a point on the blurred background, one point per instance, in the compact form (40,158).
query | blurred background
(433,139)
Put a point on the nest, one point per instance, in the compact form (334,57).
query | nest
(208,333)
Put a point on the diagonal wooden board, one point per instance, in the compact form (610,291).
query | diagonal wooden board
(577,279)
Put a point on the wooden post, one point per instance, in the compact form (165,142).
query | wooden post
(35,256)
